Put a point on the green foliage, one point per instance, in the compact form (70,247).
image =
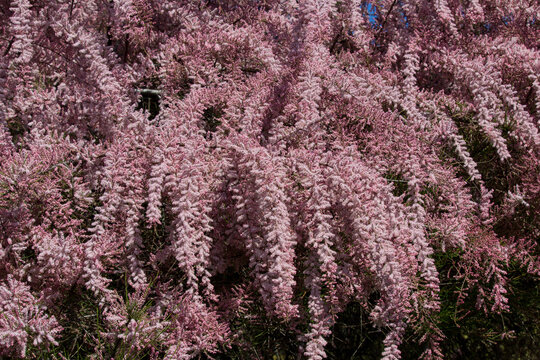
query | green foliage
(81,322)
(258,336)
(399,182)
(354,337)
(211,116)
(473,334)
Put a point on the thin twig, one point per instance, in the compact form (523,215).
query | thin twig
(335,40)
(9,46)
(385,18)
(70,10)
(149,91)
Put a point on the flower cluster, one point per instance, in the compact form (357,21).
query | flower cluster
(168,162)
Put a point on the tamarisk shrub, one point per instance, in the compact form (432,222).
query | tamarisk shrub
(298,156)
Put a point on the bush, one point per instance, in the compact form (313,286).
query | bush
(269,179)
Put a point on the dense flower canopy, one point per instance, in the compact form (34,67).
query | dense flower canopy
(178,161)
